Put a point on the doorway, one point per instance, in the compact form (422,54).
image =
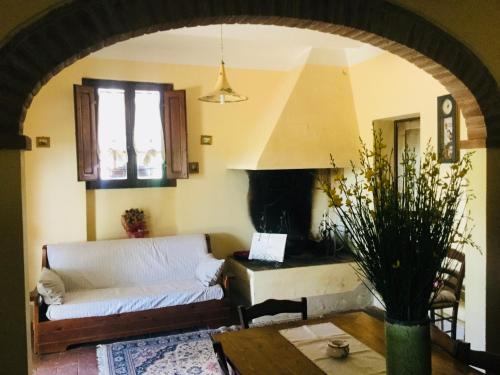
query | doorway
(406,135)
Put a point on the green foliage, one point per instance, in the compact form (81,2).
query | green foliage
(133,216)
(402,229)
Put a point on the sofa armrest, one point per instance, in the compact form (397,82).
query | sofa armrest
(38,307)
(36,297)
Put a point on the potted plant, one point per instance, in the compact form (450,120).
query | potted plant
(401,230)
(134,223)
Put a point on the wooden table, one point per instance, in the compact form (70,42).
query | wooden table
(263,350)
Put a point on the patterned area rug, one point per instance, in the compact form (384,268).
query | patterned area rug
(189,353)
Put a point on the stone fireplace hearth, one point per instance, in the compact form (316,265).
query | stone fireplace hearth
(329,287)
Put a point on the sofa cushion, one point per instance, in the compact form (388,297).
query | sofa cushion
(129,262)
(102,302)
(51,287)
(209,270)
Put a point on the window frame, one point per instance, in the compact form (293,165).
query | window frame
(129,87)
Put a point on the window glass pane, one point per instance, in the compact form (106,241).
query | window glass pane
(112,136)
(148,135)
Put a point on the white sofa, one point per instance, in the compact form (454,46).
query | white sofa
(127,287)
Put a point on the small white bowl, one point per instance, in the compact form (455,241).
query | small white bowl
(337,348)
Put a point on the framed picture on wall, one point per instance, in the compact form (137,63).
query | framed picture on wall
(447,129)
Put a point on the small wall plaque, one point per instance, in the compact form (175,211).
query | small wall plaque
(194,167)
(43,142)
(206,140)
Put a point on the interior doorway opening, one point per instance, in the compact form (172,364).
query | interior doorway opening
(25,80)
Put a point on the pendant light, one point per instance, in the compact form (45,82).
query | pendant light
(222,92)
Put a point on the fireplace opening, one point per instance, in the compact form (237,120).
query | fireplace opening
(280,201)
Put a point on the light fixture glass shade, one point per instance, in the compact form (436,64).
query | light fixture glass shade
(222,93)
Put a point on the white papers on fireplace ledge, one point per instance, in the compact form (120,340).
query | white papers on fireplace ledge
(268,247)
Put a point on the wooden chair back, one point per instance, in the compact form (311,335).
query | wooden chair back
(452,275)
(485,360)
(272,307)
(221,357)
(455,276)
(461,350)
(444,341)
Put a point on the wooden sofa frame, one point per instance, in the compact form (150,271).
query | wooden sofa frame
(51,336)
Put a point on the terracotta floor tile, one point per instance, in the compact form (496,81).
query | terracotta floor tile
(45,371)
(46,360)
(68,369)
(87,370)
(87,362)
(78,361)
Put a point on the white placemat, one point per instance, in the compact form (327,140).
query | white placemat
(312,341)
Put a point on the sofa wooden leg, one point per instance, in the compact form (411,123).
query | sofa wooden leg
(35,341)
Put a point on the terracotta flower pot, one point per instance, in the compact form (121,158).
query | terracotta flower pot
(137,230)
(138,233)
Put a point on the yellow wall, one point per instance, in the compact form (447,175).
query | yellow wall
(245,152)
(475,269)
(14,16)
(389,87)
(214,201)
(59,209)
(475,23)
(14,318)
(480,16)
(55,206)
(332,104)
(318,119)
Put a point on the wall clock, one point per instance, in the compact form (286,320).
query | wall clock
(447,129)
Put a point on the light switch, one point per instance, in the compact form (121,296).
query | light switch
(206,140)
(43,142)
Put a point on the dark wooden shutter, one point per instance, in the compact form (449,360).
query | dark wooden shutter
(86,133)
(175,132)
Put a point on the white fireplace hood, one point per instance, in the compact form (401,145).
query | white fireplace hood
(311,116)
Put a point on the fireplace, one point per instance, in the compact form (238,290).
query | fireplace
(280,201)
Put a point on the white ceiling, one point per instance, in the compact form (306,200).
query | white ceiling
(245,46)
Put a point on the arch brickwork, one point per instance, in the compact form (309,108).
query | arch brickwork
(58,38)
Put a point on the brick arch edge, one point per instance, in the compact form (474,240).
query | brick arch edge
(35,53)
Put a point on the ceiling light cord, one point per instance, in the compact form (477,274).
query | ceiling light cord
(222,92)
(221,45)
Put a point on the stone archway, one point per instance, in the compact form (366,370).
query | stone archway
(40,50)
(69,32)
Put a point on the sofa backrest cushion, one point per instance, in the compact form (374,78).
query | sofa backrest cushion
(130,262)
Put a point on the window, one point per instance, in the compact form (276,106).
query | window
(130,134)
